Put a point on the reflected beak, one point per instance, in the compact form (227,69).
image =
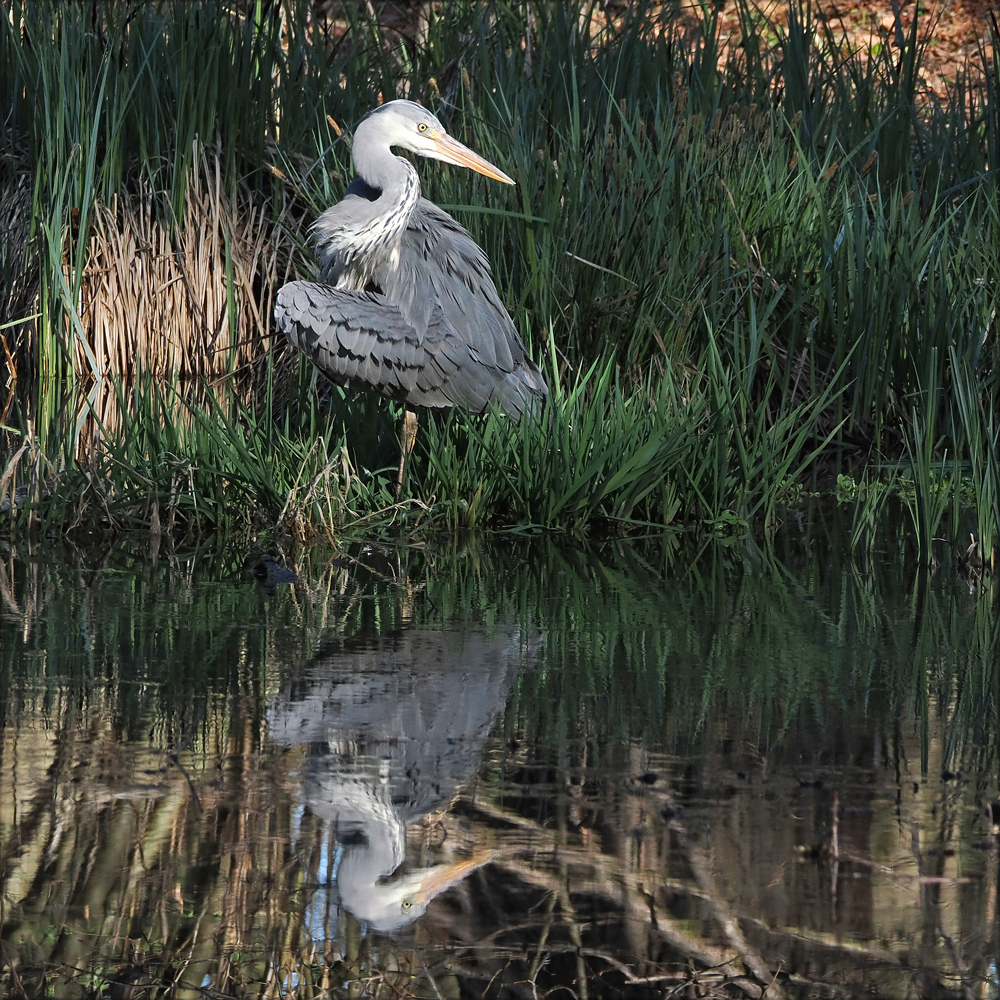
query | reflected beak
(452,151)
(435,880)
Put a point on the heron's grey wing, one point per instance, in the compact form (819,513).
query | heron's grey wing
(358,338)
(441,267)
(355,338)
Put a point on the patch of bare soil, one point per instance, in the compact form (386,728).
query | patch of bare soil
(955,36)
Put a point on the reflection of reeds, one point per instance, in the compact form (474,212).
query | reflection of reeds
(664,807)
(198,871)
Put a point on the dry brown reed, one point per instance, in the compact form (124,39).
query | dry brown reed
(190,296)
(161,295)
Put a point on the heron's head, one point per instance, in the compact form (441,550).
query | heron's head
(403,123)
(388,906)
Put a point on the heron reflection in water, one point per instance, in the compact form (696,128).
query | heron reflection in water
(395,730)
(406,305)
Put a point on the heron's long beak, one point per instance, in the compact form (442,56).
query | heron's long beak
(452,151)
(433,881)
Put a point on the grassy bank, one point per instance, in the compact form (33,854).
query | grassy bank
(745,270)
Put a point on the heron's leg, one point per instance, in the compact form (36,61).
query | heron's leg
(409,436)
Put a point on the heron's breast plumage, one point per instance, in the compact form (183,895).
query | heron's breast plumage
(361,233)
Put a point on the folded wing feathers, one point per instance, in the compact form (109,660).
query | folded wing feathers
(361,339)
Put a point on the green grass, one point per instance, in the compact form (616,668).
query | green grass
(735,271)
(189,464)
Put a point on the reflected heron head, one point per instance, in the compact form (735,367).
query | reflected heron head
(391,905)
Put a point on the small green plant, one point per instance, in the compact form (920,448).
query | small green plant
(847,490)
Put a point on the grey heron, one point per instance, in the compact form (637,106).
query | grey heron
(406,304)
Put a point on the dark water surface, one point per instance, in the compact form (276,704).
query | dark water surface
(501,770)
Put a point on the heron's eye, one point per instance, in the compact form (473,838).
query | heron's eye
(422,127)
(407,903)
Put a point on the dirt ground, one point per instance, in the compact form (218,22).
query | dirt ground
(956,33)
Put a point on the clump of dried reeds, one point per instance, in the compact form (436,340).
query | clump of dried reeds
(188,297)
(18,277)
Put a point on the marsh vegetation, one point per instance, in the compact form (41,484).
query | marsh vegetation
(746,270)
(746,746)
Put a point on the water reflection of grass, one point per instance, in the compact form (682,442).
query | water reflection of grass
(134,739)
(796,251)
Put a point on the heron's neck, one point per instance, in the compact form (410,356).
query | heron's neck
(355,239)
(395,177)
(363,245)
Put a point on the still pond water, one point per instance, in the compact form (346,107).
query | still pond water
(502,769)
